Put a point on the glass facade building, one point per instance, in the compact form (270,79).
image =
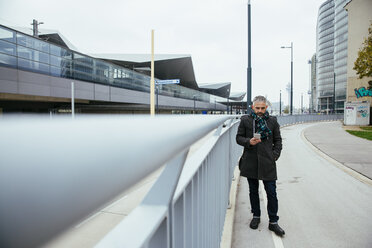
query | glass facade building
(25,52)
(331,56)
(340,53)
(324,54)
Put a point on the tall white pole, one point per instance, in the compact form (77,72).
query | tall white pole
(72,100)
(152,82)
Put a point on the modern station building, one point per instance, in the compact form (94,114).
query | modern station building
(36,75)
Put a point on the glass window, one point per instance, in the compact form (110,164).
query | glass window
(7,35)
(32,43)
(61,52)
(82,75)
(8,48)
(31,54)
(41,46)
(60,62)
(82,68)
(59,72)
(8,61)
(25,40)
(83,59)
(33,66)
(56,61)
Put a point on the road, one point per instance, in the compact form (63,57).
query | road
(320,205)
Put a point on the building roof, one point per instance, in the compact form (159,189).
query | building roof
(237,96)
(137,58)
(50,35)
(167,66)
(218,89)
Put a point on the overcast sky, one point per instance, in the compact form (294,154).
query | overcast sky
(214,33)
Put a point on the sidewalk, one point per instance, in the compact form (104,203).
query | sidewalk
(314,192)
(351,151)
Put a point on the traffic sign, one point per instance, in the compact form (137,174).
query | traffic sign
(168,81)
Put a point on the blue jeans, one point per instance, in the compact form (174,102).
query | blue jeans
(272,200)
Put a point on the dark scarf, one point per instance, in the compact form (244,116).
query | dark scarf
(261,124)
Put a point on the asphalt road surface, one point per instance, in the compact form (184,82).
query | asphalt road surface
(320,205)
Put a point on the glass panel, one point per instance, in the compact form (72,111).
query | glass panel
(8,48)
(59,72)
(82,75)
(33,66)
(82,68)
(31,54)
(61,52)
(25,40)
(56,61)
(41,46)
(7,35)
(8,61)
(32,43)
(83,59)
(60,62)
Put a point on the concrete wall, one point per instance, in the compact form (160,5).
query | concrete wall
(359,20)
(23,85)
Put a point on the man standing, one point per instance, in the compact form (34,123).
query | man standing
(259,133)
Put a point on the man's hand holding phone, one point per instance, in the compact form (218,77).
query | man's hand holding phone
(255,140)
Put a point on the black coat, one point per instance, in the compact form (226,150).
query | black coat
(258,162)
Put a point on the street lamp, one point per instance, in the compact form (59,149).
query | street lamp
(194,97)
(280,103)
(291,104)
(310,88)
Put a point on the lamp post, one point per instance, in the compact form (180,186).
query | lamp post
(194,96)
(302,102)
(280,103)
(310,88)
(227,107)
(291,104)
(334,93)
(249,69)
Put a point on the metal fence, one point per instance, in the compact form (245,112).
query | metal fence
(54,173)
(296,119)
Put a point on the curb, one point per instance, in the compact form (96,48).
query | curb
(228,228)
(336,163)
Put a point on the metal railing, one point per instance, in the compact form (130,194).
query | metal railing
(54,173)
(296,119)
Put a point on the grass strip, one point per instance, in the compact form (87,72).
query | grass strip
(362,134)
(367,128)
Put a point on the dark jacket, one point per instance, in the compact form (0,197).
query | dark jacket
(258,162)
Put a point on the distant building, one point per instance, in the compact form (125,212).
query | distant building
(36,74)
(360,19)
(274,108)
(331,55)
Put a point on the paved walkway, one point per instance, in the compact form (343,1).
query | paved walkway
(320,205)
(332,139)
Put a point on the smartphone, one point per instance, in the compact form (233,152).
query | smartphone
(257,135)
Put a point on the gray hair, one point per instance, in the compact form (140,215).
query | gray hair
(259,99)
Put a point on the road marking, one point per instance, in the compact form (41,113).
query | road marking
(278,243)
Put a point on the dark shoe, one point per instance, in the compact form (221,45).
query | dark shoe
(254,223)
(276,229)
